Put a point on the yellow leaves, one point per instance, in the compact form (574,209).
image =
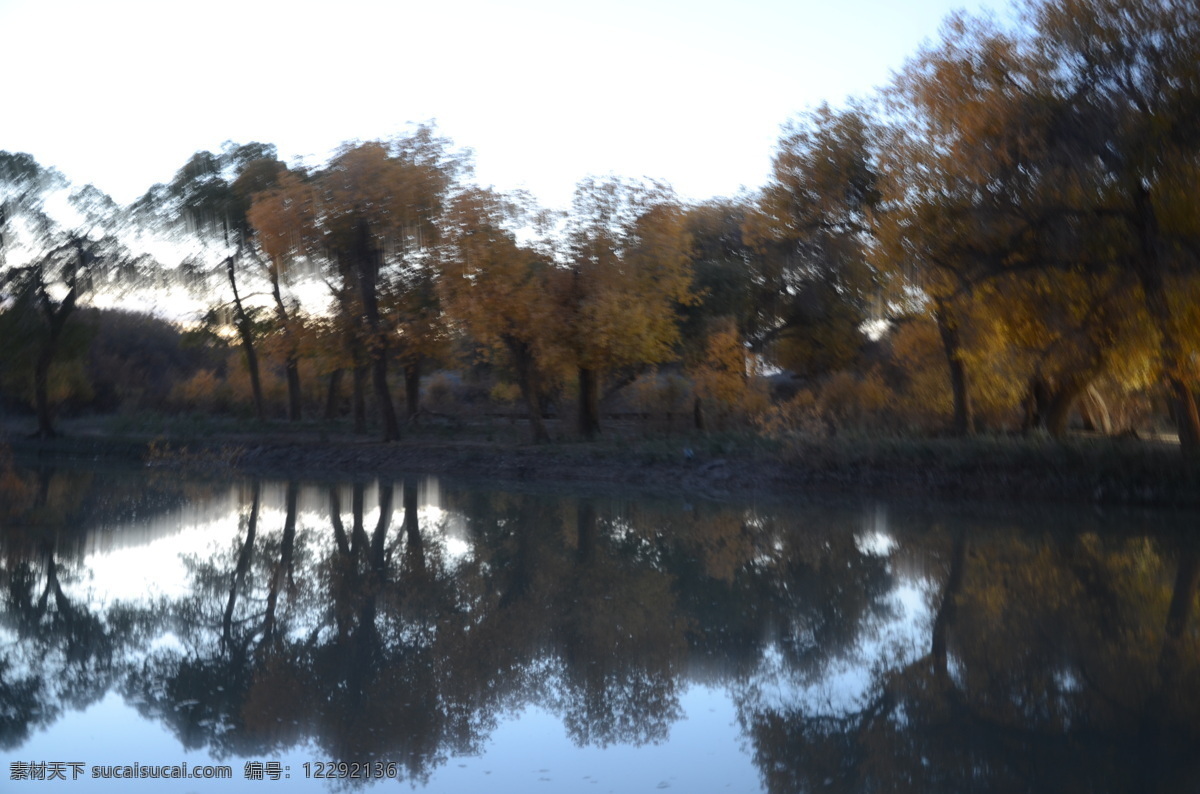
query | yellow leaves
(505,392)
(924,400)
(798,416)
(204,391)
(849,401)
(489,283)
(630,271)
(284,219)
(722,376)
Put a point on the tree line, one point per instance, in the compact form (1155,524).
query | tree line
(1007,232)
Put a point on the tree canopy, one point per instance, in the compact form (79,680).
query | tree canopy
(1006,230)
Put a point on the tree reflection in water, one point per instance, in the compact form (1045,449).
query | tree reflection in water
(1052,664)
(56,651)
(1061,659)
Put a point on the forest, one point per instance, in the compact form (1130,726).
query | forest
(1004,239)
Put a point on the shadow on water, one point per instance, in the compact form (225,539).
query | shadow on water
(400,622)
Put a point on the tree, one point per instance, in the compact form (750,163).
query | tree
(281,204)
(1066,330)
(724,270)
(59,263)
(626,279)
(413,302)
(496,289)
(811,228)
(372,227)
(1124,78)
(1069,146)
(205,208)
(951,190)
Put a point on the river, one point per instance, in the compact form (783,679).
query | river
(321,636)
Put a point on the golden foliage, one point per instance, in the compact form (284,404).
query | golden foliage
(492,287)
(629,273)
(848,401)
(204,391)
(924,401)
(722,376)
(798,416)
(503,392)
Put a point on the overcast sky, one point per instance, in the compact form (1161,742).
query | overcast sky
(121,92)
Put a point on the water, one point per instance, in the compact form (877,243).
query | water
(336,636)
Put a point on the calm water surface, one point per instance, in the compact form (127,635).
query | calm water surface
(456,639)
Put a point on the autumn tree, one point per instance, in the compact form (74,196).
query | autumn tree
(952,215)
(1123,77)
(281,206)
(413,303)
(627,275)
(1067,146)
(811,229)
(496,288)
(373,229)
(1066,330)
(721,375)
(725,269)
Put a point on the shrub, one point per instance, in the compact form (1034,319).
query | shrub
(204,391)
(506,393)
(795,417)
(855,402)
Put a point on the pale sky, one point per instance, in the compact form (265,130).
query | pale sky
(121,92)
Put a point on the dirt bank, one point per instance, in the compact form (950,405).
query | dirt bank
(1093,471)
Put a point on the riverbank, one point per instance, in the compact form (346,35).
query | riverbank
(1082,470)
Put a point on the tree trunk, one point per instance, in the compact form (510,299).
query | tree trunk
(383,393)
(360,399)
(331,396)
(358,531)
(1183,595)
(283,570)
(1062,400)
(56,322)
(412,391)
(1096,417)
(589,403)
(949,606)
(245,329)
(414,546)
(1187,418)
(964,415)
(291,365)
(292,368)
(367,259)
(1150,275)
(379,536)
(698,413)
(526,368)
(41,391)
(243,567)
(1173,662)
(251,354)
(1037,403)
(335,519)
